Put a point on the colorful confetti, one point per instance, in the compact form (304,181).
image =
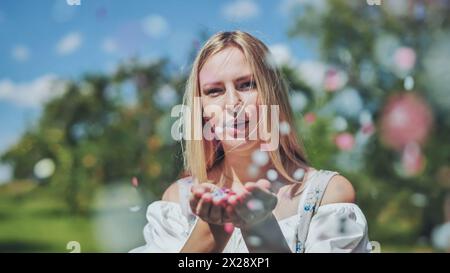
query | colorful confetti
(134,182)
(44,168)
(134,208)
(253,171)
(255,205)
(254,241)
(345,141)
(285,128)
(272,175)
(340,124)
(228,227)
(299,174)
(260,158)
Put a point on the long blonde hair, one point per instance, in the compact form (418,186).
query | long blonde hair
(199,155)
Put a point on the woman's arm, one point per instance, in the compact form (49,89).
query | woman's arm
(205,237)
(251,210)
(340,190)
(268,235)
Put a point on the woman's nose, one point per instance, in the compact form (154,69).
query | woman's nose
(232,98)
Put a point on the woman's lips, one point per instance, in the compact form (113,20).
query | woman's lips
(235,122)
(235,127)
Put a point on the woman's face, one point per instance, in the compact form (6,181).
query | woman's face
(229,98)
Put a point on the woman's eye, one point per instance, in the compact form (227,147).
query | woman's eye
(213,91)
(247,85)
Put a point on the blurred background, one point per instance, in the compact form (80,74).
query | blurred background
(86,89)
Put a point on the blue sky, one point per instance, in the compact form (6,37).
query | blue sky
(48,39)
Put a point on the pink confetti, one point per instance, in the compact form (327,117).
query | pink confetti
(255,205)
(229,228)
(310,118)
(345,141)
(405,118)
(134,181)
(368,129)
(334,80)
(413,160)
(405,58)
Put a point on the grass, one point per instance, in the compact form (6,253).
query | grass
(34,221)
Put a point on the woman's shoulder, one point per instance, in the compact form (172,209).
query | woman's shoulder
(172,193)
(174,201)
(338,189)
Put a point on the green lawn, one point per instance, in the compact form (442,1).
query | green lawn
(34,220)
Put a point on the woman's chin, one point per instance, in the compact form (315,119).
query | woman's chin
(238,144)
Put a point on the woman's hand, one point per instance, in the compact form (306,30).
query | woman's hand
(208,203)
(245,208)
(251,206)
(249,209)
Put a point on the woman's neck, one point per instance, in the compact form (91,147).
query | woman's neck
(236,168)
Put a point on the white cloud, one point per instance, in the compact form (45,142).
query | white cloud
(20,53)
(240,10)
(109,46)
(31,94)
(155,26)
(69,43)
(287,6)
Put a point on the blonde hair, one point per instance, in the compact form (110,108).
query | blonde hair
(199,156)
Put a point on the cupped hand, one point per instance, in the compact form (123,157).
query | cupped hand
(208,202)
(252,205)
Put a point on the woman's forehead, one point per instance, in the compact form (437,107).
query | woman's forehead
(226,65)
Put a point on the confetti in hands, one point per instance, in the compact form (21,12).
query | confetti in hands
(243,208)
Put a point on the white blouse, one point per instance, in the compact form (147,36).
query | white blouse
(338,227)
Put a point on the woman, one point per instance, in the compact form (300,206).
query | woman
(227,203)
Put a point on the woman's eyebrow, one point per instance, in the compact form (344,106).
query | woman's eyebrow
(210,84)
(246,77)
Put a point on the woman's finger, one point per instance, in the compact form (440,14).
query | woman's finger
(241,208)
(260,191)
(234,218)
(264,183)
(233,200)
(204,206)
(208,187)
(226,218)
(193,202)
(197,193)
(198,190)
(216,213)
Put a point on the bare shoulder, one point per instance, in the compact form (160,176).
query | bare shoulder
(339,190)
(172,193)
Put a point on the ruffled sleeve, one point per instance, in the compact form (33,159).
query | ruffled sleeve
(339,227)
(167,229)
